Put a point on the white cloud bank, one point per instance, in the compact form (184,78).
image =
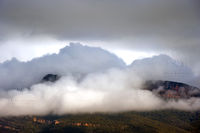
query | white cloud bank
(93,80)
(74,59)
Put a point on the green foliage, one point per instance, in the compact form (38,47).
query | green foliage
(164,121)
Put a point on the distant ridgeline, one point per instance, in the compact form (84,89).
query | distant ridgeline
(171,89)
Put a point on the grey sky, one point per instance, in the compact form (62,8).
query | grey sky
(165,26)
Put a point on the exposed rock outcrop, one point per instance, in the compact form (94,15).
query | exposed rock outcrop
(171,89)
(50,78)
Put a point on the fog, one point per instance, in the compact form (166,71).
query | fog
(92,80)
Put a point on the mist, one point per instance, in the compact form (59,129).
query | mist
(92,80)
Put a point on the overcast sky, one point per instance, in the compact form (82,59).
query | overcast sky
(30,28)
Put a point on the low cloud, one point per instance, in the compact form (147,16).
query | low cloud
(93,80)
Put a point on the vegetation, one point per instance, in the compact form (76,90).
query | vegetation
(165,121)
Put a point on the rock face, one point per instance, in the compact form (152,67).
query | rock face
(50,78)
(172,90)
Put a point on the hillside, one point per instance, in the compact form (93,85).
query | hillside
(140,122)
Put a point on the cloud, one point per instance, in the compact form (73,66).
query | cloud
(93,80)
(163,67)
(170,27)
(93,19)
(115,91)
(75,59)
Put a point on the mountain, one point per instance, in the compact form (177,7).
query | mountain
(171,89)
